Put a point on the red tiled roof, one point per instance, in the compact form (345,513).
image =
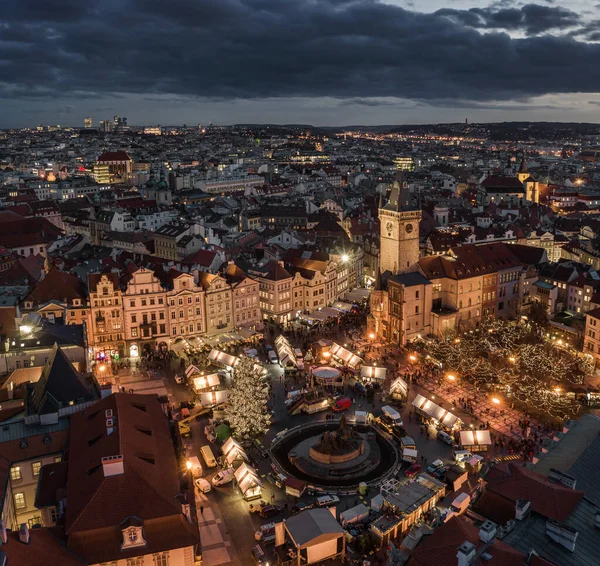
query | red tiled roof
(58,286)
(550,500)
(201,257)
(147,488)
(43,548)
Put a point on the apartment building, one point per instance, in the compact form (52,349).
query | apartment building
(105,327)
(591,340)
(186,306)
(246,298)
(275,286)
(145,312)
(219,306)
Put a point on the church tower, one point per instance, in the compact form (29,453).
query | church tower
(399,230)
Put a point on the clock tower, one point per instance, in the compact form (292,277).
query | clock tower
(399,230)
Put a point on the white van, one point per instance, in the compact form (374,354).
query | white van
(273,359)
(392,414)
(461,503)
(208,456)
(223,477)
(327,500)
(203,485)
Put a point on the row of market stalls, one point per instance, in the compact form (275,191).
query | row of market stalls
(439,415)
(247,479)
(323,314)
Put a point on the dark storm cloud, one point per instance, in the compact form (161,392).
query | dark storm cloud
(532,18)
(229,49)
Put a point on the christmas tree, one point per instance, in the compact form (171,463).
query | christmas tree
(246,410)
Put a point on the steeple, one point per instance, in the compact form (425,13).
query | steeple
(523,167)
(378,282)
(380,200)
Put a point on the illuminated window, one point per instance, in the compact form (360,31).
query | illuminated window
(20,501)
(35,468)
(15,473)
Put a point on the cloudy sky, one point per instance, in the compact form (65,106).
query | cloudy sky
(325,62)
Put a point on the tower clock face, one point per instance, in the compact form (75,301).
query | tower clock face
(390,228)
(409,228)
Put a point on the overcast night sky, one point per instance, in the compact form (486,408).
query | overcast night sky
(324,62)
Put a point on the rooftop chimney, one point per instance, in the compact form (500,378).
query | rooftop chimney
(105,390)
(562,534)
(113,465)
(522,508)
(110,426)
(487,531)
(466,553)
(24,533)
(557,476)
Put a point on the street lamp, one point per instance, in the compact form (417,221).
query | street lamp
(495,400)
(451,377)
(511,359)
(372,336)
(188,465)
(102,367)
(412,358)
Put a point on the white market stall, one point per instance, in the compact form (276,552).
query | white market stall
(233,451)
(248,482)
(206,382)
(342,306)
(211,398)
(345,356)
(399,389)
(285,352)
(475,440)
(373,373)
(432,410)
(218,357)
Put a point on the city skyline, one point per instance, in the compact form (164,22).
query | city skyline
(325,62)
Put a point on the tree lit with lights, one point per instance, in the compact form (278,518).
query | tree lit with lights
(246,410)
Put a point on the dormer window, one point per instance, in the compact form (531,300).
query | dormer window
(133,536)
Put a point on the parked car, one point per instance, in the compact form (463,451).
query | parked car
(342,404)
(445,437)
(412,470)
(223,477)
(434,466)
(440,473)
(327,500)
(301,507)
(269,510)
(203,485)
(179,378)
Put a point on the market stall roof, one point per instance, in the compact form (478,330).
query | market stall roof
(357,295)
(210,398)
(232,450)
(342,306)
(350,359)
(434,411)
(475,437)
(326,372)
(247,477)
(191,370)
(373,372)
(285,352)
(218,357)
(399,384)
(247,334)
(313,526)
(206,381)
(360,510)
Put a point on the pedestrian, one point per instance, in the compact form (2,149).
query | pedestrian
(201,510)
